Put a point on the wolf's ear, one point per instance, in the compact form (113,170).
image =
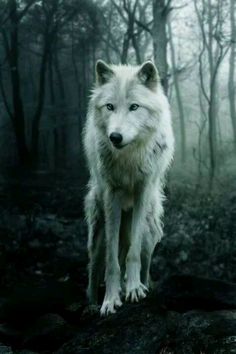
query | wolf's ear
(148,75)
(103,72)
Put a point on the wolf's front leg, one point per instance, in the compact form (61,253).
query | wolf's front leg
(112,272)
(135,290)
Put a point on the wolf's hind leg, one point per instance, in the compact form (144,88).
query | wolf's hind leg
(145,264)
(96,235)
(96,267)
(152,234)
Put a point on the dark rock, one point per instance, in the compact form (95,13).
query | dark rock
(187,292)
(206,332)
(73,312)
(138,329)
(10,335)
(148,328)
(25,303)
(48,332)
(25,351)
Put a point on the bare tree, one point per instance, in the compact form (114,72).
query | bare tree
(53,19)
(214,49)
(127,10)
(178,94)
(11,45)
(157,27)
(231,80)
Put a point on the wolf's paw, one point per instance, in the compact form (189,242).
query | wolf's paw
(134,293)
(109,305)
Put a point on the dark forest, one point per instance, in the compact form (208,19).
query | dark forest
(48,52)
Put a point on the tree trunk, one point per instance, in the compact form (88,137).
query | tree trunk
(76,71)
(136,49)
(41,97)
(84,80)
(231,81)
(129,35)
(51,81)
(77,81)
(203,120)
(125,48)
(18,118)
(160,40)
(211,120)
(53,161)
(59,75)
(178,96)
(212,111)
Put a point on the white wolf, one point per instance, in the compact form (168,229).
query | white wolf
(129,144)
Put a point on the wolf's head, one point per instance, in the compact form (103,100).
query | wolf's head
(128,101)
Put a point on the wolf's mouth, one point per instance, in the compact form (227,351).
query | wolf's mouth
(119,146)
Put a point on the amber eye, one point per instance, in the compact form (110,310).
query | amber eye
(110,107)
(134,107)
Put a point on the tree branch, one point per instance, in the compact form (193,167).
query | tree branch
(119,11)
(176,7)
(25,10)
(143,26)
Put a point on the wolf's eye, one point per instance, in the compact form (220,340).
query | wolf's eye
(110,107)
(134,107)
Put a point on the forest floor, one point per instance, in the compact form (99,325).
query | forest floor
(43,277)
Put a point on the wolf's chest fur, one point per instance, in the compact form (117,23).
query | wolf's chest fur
(125,170)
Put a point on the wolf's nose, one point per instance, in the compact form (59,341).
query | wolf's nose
(116,138)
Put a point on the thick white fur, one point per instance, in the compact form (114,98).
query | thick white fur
(124,202)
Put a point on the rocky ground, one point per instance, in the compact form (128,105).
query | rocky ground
(43,309)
